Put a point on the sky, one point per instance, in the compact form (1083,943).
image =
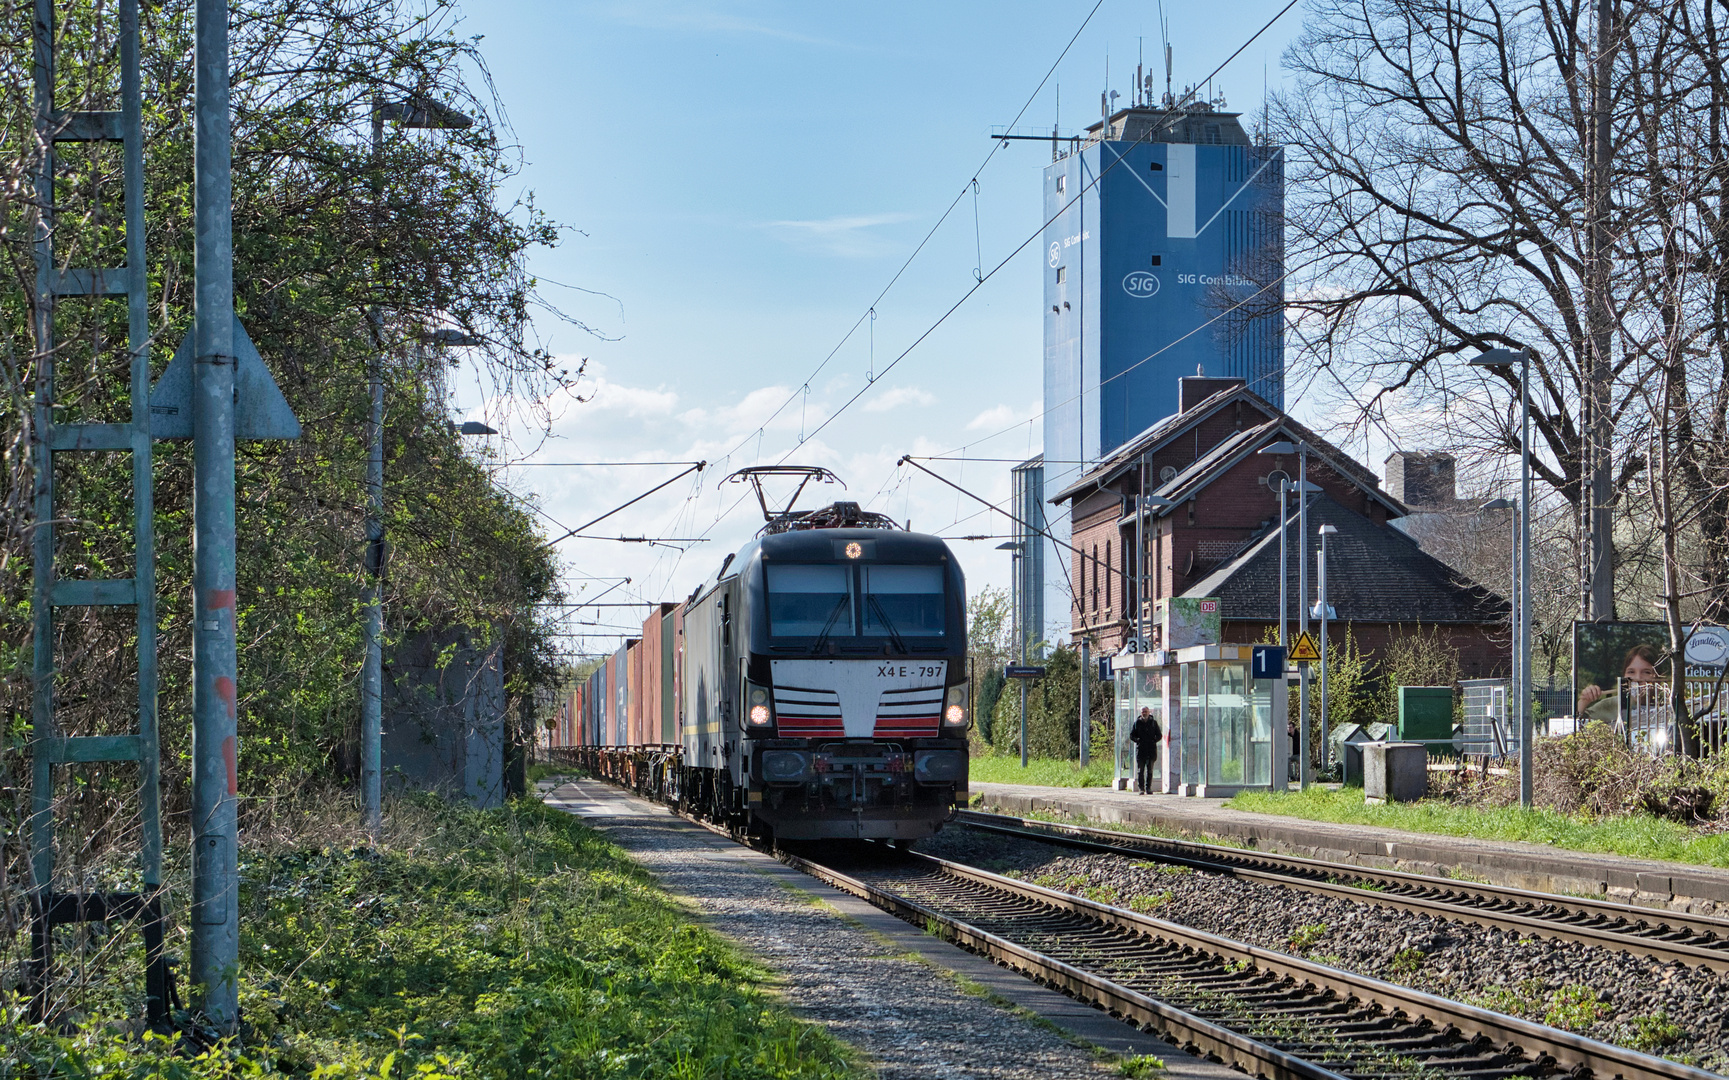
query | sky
(742,184)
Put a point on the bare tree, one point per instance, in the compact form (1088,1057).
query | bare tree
(1441,156)
(1437,165)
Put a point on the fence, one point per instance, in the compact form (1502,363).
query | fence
(1488,732)
(1648,715)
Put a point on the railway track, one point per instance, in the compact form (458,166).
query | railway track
(1267,1013)
(1693,940)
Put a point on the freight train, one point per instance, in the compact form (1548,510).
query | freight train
(814,687)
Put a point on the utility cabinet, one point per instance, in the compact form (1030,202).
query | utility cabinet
(1426,715)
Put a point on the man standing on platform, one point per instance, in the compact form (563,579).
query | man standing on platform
(1146,735)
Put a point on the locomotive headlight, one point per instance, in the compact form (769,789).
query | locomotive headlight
(758,711)
(955,707)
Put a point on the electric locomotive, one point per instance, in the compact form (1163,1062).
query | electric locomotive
(824,681)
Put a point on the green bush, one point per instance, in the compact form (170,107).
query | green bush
(506,943)
(1054,711)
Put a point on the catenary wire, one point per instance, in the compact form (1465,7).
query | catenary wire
(870,311)
(980,280)
(979,283)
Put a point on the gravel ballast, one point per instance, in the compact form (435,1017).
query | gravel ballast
(1660,1008)
(910,1021)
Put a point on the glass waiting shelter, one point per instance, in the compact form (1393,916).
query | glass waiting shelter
(1219,722)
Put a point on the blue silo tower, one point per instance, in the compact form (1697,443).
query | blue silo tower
(1164,257)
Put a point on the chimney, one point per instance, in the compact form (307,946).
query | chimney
(1194,389)
(1422,481)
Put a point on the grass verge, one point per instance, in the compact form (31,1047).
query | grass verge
(1639,835)
(1042,772)
(504,943)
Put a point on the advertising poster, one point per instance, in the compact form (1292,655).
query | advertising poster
(1636,653)
(1186,621)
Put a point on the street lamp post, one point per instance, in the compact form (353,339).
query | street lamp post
(1324,611)
(1513,589)
(415,114)
(1504,358)
(1304,489)
(1014,548)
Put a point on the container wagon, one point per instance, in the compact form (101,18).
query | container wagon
(815,686)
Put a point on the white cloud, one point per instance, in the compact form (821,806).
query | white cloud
(995,417)
(898,397)
(611,420)
(846,235)
(707,19)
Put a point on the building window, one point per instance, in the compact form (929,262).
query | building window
(1062,274)
(1108,577)
(1158,259)
(1128,571)
(1095,593)
(1212,134)
(1081,593)
(1156,167)
(1062,184)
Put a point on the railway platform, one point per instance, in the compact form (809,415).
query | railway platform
(875,981)
(1646,882)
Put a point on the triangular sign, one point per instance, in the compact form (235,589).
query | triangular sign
(1304,648)
(260,410)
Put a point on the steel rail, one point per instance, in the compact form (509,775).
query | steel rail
(1395,1026)
(1668,937)
(1401,1031)
(1249,1054)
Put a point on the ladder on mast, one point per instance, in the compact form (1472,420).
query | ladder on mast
(52,750)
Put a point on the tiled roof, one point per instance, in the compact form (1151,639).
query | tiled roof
(1375,574)
(1197,475)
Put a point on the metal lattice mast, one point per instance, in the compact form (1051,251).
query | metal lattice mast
(51,748)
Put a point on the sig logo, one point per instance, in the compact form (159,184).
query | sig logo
(1142,284)
(1056,255)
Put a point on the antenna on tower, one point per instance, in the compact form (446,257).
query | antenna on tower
(1140,62)
(1105,96)
(1165,40)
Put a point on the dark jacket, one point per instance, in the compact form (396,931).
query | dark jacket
(1146,734)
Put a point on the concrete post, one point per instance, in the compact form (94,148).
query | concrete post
(1086,703)
(372,668)
(1326,614)
(1305,761)
(1526,789)
(215,912)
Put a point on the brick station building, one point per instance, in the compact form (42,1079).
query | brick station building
(1219,536)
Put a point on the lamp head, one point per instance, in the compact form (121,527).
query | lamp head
(453,338)
(420,112)
(1498,504)
(1328,530)
(1284,446)
(1498,358)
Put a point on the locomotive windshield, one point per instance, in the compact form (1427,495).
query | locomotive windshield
(872,601)
(809,601)
(904,600)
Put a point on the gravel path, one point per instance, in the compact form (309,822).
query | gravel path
(911,1022)
(1663,1009)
